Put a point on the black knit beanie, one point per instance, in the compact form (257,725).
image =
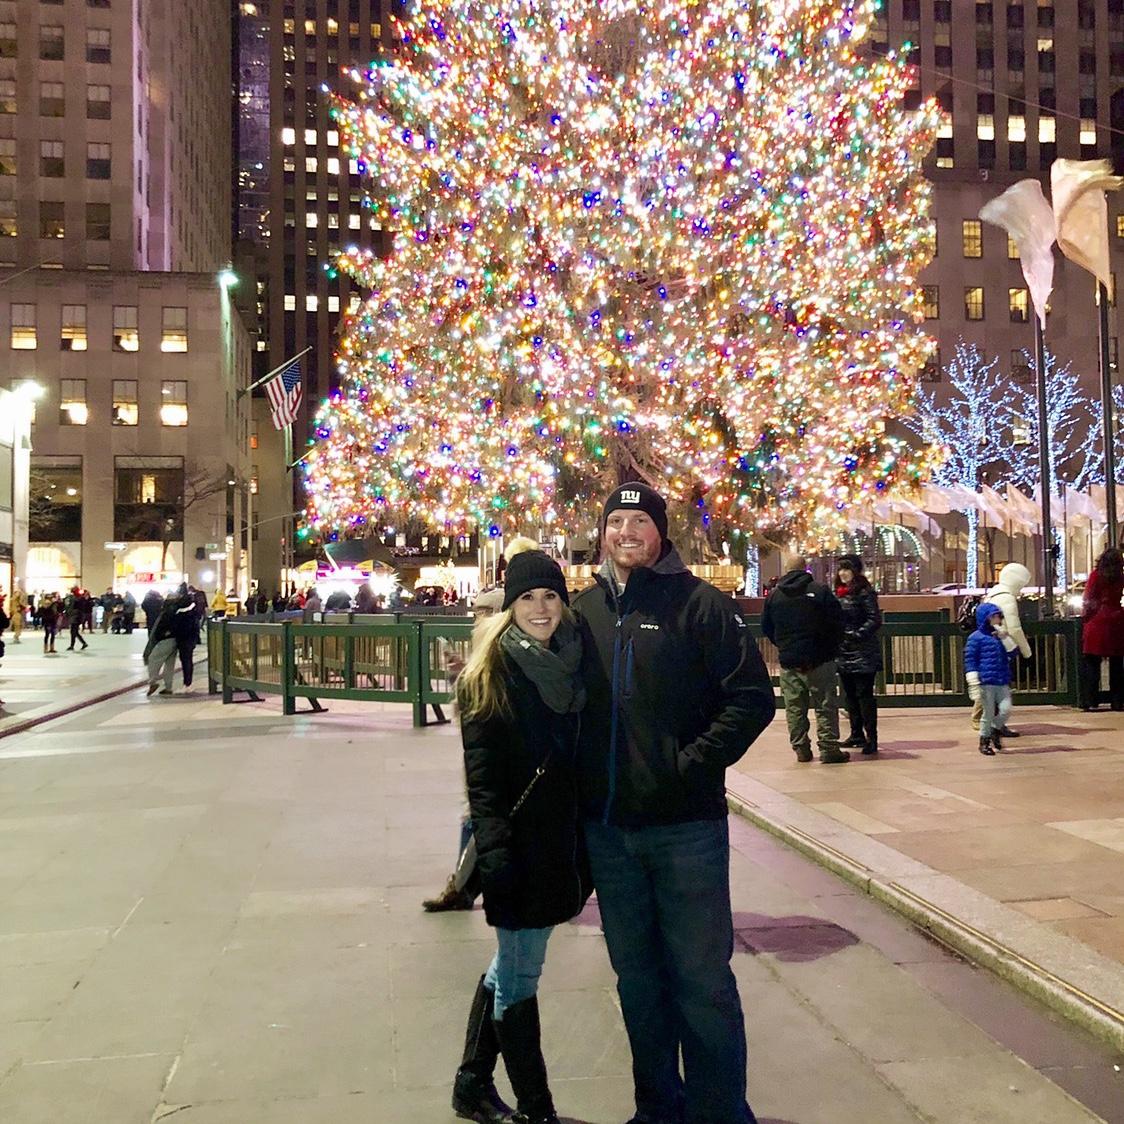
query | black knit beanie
(636,496)
(533,569)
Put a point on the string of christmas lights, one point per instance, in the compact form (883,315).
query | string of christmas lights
(671,240)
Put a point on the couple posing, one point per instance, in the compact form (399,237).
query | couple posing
(596,742)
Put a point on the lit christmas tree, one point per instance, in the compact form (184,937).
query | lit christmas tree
(673,242)
(973,426)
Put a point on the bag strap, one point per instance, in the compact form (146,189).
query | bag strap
(539,770)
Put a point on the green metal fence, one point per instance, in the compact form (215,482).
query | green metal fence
(415,661)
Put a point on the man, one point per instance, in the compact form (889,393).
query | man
(75,609)
(677,693)
(804,620)
(1004,596)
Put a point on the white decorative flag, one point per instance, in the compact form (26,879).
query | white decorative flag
(1022,210)
(1081,212)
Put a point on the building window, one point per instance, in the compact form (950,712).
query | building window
(98,3)
(973,238)
(985,126)
(311,303)
(126,337)
(290,302)
(73,330)
(974,303)
(1088,134)
(52,99)
(72,402)
(7,156)
(333,303)
(24,336)
(97,45)
(1047,130)
(1012,249)
(51,221)
(7,95)
(931,372)
(52,42)
(8,44)
(1020,430)
(125,410)
(97,222)
(98,105)
(1016,129)
(1020,368)
(1087,62)
(1018,305)
(148,501)
(931,301)
(97,161)
(173,402)
(173,335)
(9,228)
(52,161)
(1120,226)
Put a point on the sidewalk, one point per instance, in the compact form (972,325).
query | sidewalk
(33,685)
(212,913)
(1019,859)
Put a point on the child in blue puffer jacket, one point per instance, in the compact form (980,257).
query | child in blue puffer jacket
(987,668)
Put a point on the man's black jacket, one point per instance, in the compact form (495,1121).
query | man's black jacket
(677,693)
(804,620)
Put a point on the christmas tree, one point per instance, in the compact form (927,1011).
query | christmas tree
(674,242)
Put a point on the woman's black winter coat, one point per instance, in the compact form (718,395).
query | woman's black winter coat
(532,865)
(860,653)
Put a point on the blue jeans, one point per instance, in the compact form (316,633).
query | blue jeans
(514,972)
(664,896)
(996,708)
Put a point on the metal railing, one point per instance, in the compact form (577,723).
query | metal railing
(416,660)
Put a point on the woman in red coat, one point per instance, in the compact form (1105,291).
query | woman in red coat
(1102,631)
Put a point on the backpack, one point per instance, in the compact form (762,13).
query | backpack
(967,616)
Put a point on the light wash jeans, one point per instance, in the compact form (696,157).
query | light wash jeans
(162,661)
(514,972)
(996,708)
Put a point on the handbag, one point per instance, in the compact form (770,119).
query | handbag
(466,864)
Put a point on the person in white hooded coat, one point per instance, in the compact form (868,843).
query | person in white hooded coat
(1004,595)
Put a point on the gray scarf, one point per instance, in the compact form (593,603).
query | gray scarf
(553,670)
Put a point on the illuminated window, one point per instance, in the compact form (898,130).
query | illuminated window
(944,162)
(290,27)
(9,228)
(7,156)
(353,303)
(72,402)
(288,135)
(353,221)
(985,127)
(1018,305)
(7,95)
(126,337)
(311,219)
(98,105)
(1016,129)
(310,137)
(1020,430)
(972,238)
(254,439)
(974,303)
(289,164)
(98,45)
(1047,130)
(8,42)
(24,336)
(52,99)
(333,304)
(52,159)
(310,27)
(52,223)
(73,329)
(290,302)
(311,303)
(173,334)
(333,166)
(52,43)
(254,480)
(310,163)
(125,409)
(931,372)
(1120,226)
(931,301)
(1088,133)
(1012,249)
(944,129)
(353,167)
(173,402)
(333,138)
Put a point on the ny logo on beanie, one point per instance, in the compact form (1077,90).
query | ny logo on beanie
(629,495)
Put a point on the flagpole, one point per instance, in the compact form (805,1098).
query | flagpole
(1107,427)
(269,374)
(1044,469)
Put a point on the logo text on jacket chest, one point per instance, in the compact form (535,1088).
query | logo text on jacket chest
(649,627)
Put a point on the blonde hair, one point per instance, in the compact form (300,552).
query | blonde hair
(481,693)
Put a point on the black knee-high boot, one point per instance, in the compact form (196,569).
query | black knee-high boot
(474,1092)
(521,1045)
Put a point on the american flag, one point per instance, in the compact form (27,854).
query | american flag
(285,395)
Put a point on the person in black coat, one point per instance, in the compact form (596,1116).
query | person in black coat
(520,697)
(860,653)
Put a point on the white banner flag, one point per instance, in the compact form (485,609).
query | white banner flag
(1022,210)
(1081,212)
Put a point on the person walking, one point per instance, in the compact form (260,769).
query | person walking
(151,604)
(860,652)
(805,622)
(1102,631)
(161,648)
(75,609)
(128,612)
(677,693)
(185,631)
(107,601)
(987,669)
(1011,582)
(219,604)
(17,608)
(49,611)
(520,695)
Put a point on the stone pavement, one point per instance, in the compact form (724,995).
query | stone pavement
(1027,847)
(212,913)
(34,684)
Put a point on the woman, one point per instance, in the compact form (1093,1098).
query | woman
(519,697)
(49,615)
(860,654)
(1102,631)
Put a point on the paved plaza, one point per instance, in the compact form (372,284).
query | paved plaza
(213,913)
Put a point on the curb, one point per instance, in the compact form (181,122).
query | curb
(1100,1019)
